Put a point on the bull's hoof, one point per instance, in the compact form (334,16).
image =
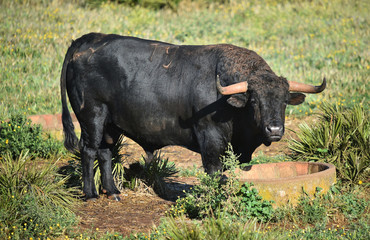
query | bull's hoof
(115,197)
(91,199)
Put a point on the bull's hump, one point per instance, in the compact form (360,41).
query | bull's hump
(236,60)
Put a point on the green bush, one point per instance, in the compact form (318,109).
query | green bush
(216,194)
(341,137)
(34,201)
(18,134)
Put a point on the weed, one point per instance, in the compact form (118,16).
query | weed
(252,205)
(216,194)
(311,210)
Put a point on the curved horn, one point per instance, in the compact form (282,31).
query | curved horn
(240,87)
(306,88)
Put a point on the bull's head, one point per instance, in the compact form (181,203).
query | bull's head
(266,97)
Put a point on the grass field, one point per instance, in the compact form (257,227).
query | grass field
(301,40)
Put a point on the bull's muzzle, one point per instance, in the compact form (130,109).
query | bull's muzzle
(274,133)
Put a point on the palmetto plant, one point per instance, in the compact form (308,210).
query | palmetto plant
(21,175)
(154,174)
(341,137)
(33,197)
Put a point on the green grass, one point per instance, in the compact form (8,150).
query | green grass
(301,40)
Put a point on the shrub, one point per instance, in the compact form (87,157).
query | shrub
(17,135)
(341,137)
(219,194)
(33,199)
(252,205)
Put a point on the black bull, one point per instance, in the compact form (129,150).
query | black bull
(159,94)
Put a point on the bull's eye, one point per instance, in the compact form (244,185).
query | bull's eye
(253,101)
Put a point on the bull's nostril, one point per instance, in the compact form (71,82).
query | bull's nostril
(274,130)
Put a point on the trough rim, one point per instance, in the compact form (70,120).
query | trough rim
(327,172)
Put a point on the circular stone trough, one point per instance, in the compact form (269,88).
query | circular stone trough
(284,182)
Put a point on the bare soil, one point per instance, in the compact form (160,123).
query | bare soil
(139,211)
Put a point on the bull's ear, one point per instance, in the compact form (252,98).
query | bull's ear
(237,100)
(296,98)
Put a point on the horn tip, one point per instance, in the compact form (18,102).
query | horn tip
(322,86)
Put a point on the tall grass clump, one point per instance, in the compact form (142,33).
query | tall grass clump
(34,202)
(19,134)
(341,137)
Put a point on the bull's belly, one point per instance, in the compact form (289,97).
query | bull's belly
(156,135)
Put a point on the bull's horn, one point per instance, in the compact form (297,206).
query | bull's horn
(240,87)
(306,88)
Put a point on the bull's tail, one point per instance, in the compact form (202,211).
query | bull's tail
(70,138)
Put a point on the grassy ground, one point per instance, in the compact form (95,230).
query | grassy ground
(301,40)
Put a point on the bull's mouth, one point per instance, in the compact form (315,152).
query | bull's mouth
(268,140)
(274,138)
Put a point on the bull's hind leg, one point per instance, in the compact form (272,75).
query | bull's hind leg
(92,121)
(110,139)
(88,155)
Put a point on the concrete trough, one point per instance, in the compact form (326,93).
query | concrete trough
(284,182)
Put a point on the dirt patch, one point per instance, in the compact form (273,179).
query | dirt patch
(138,212)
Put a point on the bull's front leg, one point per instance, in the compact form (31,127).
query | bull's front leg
(212,144)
